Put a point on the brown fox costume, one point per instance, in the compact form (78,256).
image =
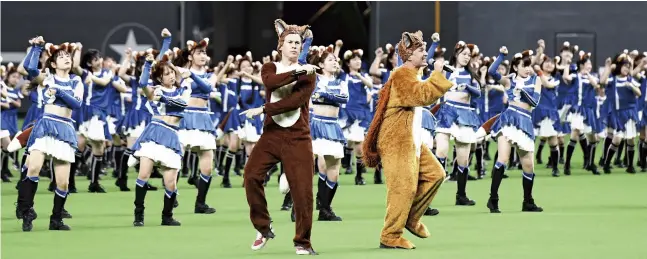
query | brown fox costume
(413,174)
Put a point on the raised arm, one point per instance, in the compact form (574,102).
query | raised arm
(124,66)
(166,43)
(143,78)
(272,80)
(411,92)
(375,66)
(304,50)
(604,76)
(31,65)
(492,71)
(300,96)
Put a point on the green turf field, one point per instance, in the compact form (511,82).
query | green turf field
(585,216)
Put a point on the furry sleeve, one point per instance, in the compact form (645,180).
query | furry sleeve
(272,80)
(408,91)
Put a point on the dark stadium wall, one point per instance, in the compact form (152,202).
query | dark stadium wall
(602,28)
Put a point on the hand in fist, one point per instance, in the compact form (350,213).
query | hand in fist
(435,37)
(503,50)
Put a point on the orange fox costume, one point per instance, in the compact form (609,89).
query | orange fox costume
(413,174)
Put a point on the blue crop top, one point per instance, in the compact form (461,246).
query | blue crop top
(523,90)
(171,102)
(331,91)
(65,88)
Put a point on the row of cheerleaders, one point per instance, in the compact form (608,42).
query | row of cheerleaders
(172,112)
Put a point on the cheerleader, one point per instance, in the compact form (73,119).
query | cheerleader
(159,144)
(327,135)
(566,94)
(582,117)
(639,74)
(357,108)
(514,126)
(53,135)
(457,119)
(11,101)
(197,133)
(494,99)
(251,87)
(546,116)
(94,128)
(621,92)
(230,122)
(141,110)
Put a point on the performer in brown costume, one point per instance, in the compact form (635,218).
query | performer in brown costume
(413,174)
(286,138)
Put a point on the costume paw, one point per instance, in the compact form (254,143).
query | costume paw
(419,230)
(398,243)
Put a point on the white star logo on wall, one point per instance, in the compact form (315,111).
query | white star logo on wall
(131,43)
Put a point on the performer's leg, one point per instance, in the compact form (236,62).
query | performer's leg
(260,161)
(431,177)
(299,170)
(401,175)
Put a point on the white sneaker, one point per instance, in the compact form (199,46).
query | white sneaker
(305,251)
(284,186)
(259,242)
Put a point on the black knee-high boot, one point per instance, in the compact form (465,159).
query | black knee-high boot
(609,158)
(118,153)
(322,190)
(584,145)
(186,164)
(52,183)
(461,177)
(529,205)
(540,148)
(140,196)
(480,171)
(643,156)
(359,180)
(618,158)
(201,206)
(122,179)
(569,155)
(239,162)
(345,162)
(221,159)
(561,153)
(226,183)
(25,202)
(377,177)
(497,177)
(97,163)
(607,143)
(78,157)
(5,167)
(553,160)
(287,202)
(167,211)
(592,167)
(23,170)
(630,157)
(195,165)
(56,219)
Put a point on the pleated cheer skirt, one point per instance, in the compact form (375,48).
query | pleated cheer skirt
(327,136)
(459,120)
(515,124)
(54,136)
(159,142)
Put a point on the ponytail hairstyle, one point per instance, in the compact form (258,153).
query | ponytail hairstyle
(583,57)
(159,66)
(53,51)
(521,58)
(88,57)
(348,55)
(182,55)
(460,46)
(619,60)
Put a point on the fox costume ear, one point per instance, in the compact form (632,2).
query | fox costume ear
(406,39)
(280,26)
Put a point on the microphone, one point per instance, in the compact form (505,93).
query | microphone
(299,73)
(446,68)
